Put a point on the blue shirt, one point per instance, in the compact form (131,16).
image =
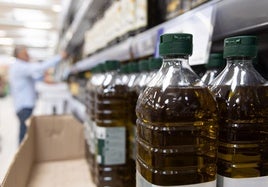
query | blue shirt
(22,78)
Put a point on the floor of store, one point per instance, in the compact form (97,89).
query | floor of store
(8,135)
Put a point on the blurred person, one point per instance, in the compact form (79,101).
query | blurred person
(2,86)
(22,78)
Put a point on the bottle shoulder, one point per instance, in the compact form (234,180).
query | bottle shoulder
(181,103)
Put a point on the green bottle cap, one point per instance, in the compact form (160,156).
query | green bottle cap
(155,63)
(98,69)
(215,60)
(133,67)
(143,65)
(176,44)
(111,65)
(93,70)
(102,68)
(240,46)
(124,69)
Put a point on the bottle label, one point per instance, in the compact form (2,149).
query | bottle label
(142,182)
(242,182)
(111,145)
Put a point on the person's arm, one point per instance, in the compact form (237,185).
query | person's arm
(33,69)
(40,68)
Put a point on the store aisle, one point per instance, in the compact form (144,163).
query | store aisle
(8,134)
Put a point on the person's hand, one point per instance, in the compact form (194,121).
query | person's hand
(64,55)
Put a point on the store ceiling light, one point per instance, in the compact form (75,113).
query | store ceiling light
(28,2)
(6,41)
(56,8)
(21,14)
(38,25)
(3,33)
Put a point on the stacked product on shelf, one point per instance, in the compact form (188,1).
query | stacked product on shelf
(134,74)
(110,128)
(179,119)
(121,18)
(125,18)
(93,83)
(154,65)
(174,8)
(177,122)
(242,95)
(111,117)
(140,82)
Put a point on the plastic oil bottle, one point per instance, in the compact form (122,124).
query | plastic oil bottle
(154,65)
(111,107)
(133,97)
(88,121)
(140,83)
(134,74)
(123,72)
(214,66)
(177,123)
(95,81)
(242,98)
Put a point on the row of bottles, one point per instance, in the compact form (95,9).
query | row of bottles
(125,18)
(186,130)
(177,122)
(242,94)
(111,124)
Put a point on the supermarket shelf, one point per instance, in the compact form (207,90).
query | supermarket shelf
(240,17)
(119,52)
(74,35)
(211,22)
(198,21)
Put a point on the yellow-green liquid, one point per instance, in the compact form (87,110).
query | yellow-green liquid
(133,97)
(243,135)
(177,136)
(111,110)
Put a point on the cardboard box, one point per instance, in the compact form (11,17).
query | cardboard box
(51,155)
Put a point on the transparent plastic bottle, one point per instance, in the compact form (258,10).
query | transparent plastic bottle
(140,83)
(111,116)
(154,66)
(124,74)
(177,123)
(242,98)
(133,70)
(88,122)
(95,81)
(214,66)
(134,74)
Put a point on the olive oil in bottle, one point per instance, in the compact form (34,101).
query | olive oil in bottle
(111,107)
(140,83)
(133,97)
(242,98)
(177,123)
(95,81)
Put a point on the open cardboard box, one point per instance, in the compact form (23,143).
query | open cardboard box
(51,155)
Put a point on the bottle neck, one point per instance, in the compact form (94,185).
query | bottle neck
(175,71)
(239,71)
(110,77)
(177,62)
(240,61)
